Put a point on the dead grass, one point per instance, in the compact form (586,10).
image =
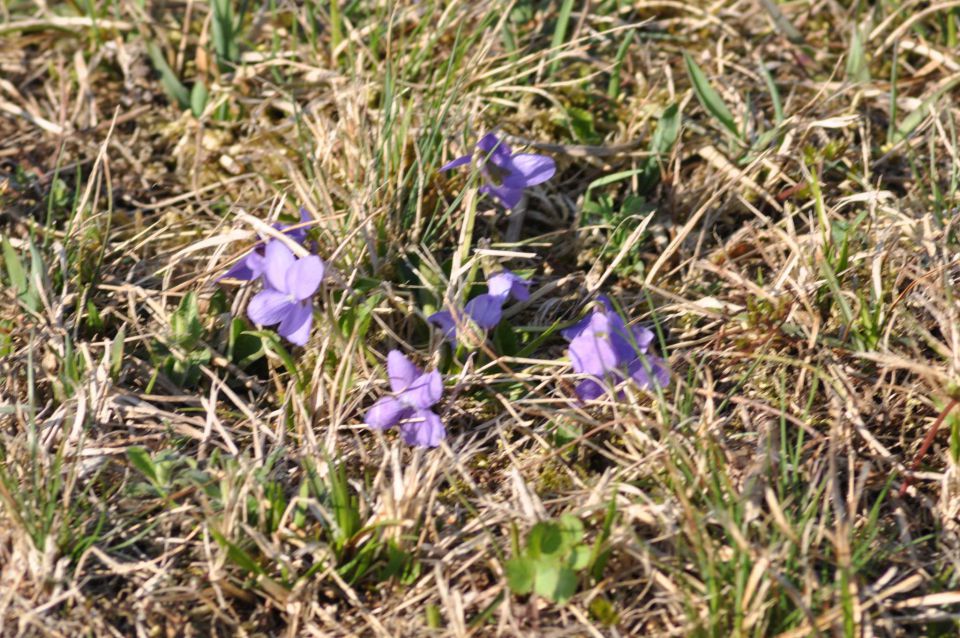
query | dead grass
(800,269)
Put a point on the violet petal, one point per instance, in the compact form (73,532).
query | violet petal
(535,169)
(423,428)
(401,370)
(444,321)
(425,390)
(277,261)
(506,283)
(297,323)
(268,307)
(385,413)
(304,277)
(507,196)
(486,310)
(457,163)
(589,390)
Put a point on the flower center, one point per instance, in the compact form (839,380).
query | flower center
(494,173)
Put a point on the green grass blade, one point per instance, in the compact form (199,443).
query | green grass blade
(172,85)
(916,117)
(560,34)
(708,96)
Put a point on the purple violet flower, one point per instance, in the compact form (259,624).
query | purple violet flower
(288,286)
(250,266)
(570,333)
(447,325)
(484,310)
(604,348)
(509,284)
(414,393)
(506,173)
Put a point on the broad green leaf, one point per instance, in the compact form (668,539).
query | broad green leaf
(583,125)
(571,530)
(505,339)
(545,540)
(520,573)
(566,432)
(579,557)
(708,96)
(247,347)
(555,582)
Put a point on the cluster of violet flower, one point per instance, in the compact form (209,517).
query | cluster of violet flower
(604,351)
(289,283)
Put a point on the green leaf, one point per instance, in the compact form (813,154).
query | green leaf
(571,530)
(336,29)
(224,36)
(582,123)
(140,459)
(237,555)
(596,571)
(613,86)
(708,96)
(555,582)
(545,540)
(172,85)
(271,344)
(613,178)
(774,94)
(432,616)
(345,505)
(521,573)
(246,347)
(560,33)
(667,131)
(505,339)
(15,272)
(566,432)
(857,67)
(357,318)
(300,513)
(185,325)
(579,557)
(93,320)
(198,98)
